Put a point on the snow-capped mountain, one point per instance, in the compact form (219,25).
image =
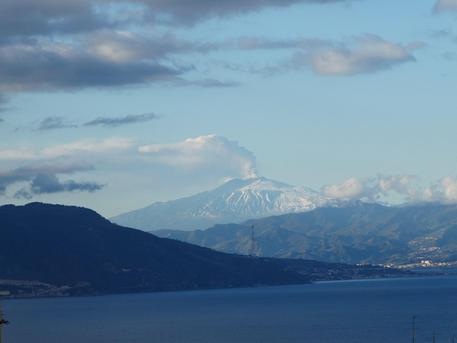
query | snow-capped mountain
(235,201)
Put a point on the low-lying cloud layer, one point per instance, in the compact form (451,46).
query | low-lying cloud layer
(405,187)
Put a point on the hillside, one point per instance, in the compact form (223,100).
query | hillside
(74,250)
(357,233)
(53,250)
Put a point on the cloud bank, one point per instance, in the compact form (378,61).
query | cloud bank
(403,186)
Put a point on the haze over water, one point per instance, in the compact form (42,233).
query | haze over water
(356,311)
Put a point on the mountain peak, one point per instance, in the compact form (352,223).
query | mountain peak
(234,201)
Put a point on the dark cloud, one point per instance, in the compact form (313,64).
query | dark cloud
(53,123)
(44,179)
(50,183)
(26,18)
(119,121)
(188,12)
(40,67)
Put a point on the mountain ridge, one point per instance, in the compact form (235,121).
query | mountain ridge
(233,202)
(354,233)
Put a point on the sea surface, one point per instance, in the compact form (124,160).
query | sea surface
(372,311)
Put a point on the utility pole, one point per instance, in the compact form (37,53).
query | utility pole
(413,331)
(433,339)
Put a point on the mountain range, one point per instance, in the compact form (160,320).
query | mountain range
(63,250)
(235,201)
(355,233)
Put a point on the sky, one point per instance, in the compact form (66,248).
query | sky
(116,104)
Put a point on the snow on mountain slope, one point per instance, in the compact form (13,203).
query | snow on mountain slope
(235,201)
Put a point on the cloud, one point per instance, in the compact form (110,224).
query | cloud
(403,186)
(120,121)
(360,55)
(124,46)
(370,54)
(25,18)
(211,153)
(85,146)
(445,191)
(189,12)
(373,189)
(445,5)
(50,183)
(258,43)
(41,66)
(53,123)
(43,179)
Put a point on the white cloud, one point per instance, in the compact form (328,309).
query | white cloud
(369,54)
(373,189)
(211,152)
(78,147)
(445,5)
(445,191)
(88,146)
(349,189)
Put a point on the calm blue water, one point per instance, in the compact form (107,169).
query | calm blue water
(356,311)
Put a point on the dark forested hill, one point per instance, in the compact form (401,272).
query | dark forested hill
(357,233)
(75,250)
(62,250)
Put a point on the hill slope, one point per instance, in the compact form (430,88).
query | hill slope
(234,202)
(75,247)
(357,233)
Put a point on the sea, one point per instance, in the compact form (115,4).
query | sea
(375,311)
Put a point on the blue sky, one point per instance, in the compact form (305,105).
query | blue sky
(189,93)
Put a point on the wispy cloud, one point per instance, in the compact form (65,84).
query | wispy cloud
(79,147)
(53,123)
(120,121)
(368,54)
